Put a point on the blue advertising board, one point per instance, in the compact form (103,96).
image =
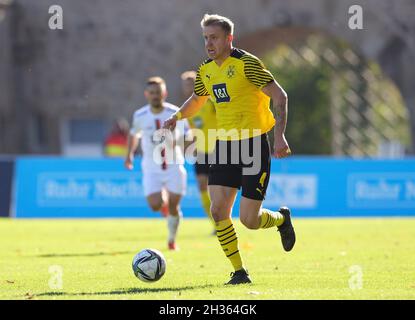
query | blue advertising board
(59,187)
(311,187)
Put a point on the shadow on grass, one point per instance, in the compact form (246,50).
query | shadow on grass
(123,291)
(92,254)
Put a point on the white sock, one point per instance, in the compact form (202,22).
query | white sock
(173,225)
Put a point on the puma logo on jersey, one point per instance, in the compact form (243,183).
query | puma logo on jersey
(262,179)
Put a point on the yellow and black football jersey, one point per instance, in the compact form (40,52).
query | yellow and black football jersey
(205,120)
(235,88)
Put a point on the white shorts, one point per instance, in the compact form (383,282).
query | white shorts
(174,180)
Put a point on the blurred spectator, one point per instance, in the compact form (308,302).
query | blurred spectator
(116,143)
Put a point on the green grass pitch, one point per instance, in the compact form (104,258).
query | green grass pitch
(333,259)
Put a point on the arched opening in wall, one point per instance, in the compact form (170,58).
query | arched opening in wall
(340,102)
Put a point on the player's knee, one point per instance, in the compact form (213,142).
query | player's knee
(249,222)
(217,212)
(202,184)
(214,210)
(155,206)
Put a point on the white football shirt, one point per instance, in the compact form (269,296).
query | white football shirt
(159,153)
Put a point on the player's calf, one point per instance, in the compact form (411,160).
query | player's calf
(250,221)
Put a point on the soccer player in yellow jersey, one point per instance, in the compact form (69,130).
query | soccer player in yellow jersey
(203,121)
(240,88)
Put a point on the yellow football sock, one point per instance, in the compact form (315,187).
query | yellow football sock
(229,241)
(270,219)
(206,204)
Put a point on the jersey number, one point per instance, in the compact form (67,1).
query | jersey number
(221,93)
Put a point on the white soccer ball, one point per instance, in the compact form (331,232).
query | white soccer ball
(149,265)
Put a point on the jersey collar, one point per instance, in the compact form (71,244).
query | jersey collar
(234,54)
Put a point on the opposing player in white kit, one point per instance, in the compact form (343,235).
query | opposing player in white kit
(159,171)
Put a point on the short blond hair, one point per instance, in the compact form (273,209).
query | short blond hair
(216,20)
(188,75)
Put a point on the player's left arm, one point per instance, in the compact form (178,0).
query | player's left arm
(262,78)
(280,103)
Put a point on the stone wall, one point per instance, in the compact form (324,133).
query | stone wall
(8,129)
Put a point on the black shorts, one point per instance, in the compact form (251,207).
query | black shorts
(247,164)
(202,164)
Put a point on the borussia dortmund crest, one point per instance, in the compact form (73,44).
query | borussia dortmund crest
(231,72)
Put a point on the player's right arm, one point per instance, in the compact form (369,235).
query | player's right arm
(192,105)
(133,140)
(132,148)
(188,109)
